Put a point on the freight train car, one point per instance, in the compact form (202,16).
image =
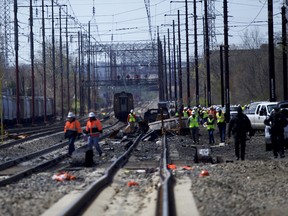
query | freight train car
(123,103)
(9,109)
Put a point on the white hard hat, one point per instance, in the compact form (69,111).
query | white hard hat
(71,115)
(91,114)
(131,111)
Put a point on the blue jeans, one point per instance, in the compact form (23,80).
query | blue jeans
(222,131)
(94,141)
(71,147)
(211,136)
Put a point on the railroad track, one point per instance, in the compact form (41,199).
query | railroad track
(105,195)
(13,169)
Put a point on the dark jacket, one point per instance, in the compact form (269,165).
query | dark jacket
(277,121)
(240,125)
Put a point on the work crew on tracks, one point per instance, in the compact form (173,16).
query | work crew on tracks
(72,129)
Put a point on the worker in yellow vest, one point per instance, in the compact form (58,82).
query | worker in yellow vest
(211,127)
(193,124)
(131,120)
(220,116)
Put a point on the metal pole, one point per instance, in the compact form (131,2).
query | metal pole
(32,61)
(271,52)
(226,59)
(169,63)
(61,64)
(196,54)
(207,53)
(88,66)
(16,44)
(67,64)
(53,59)
(44,62)
(284,51)
(222,76)
(179,63)
(174,67)
(187,53)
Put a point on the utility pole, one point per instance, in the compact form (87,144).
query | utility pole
(89,66)
(207,53)
(271,52)
(44,61)
(16,47)
(284,52)
(32,60)
(160,67)
(226,59)
(169,65)
(67,63)
(53,59)
(187,53)
(61,63)
(196,53)
(179,64)
(174,67)
(165,71)
(222,76)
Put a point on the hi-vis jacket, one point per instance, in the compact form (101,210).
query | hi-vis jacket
(210,124)
(193,121)
(220,117)
(72,129)
(131,117)
(94,127)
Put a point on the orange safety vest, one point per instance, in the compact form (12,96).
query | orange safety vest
(94,127)
(73,128)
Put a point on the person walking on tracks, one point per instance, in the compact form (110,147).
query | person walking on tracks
(93,129)
(278,122)
(193,124)
(72,129)
(239,126)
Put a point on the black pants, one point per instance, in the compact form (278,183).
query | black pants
(277,139)
(240,145)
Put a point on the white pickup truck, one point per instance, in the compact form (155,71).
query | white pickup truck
(257,113)
(284,109)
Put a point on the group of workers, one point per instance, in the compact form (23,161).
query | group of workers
(208,118)
(239,126)
(93,129)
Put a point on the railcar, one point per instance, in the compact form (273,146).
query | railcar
(9,109)
(123,103)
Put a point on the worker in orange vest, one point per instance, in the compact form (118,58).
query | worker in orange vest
(72,129)
(93,130)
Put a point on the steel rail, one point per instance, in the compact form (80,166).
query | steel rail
(81,203)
